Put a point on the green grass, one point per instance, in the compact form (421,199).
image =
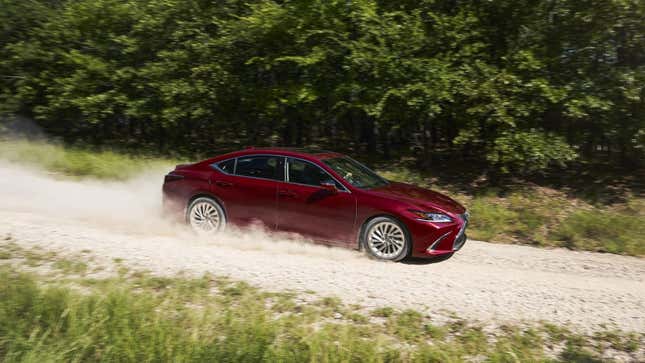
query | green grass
(545,217)
(384,312)
(600,230)
(69,266)
(79,162)
(132,317)
(180,320)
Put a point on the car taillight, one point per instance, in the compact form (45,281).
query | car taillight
(172,177)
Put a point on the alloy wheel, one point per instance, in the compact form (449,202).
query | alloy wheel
(386,240)
(205,216)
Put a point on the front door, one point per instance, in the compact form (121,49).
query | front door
(306,208)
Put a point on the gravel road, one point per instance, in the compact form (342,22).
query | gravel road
(491,283)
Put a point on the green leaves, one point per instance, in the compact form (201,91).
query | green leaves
(528,151)
(190,75)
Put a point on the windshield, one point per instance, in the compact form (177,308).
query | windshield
(355,173)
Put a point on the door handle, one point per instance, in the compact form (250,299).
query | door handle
(287,193)
(222,183)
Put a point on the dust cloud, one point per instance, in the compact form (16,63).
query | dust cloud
(132,208)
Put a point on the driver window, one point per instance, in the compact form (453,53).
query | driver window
(303,172)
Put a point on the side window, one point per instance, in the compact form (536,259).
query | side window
(227,166)
(303,172)
(267,167)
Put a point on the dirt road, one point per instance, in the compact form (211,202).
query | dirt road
(493,283)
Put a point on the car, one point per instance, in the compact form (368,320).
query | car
(326,196)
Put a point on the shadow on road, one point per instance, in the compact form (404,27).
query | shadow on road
(426,261)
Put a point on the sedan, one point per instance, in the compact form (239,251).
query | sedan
(326,196)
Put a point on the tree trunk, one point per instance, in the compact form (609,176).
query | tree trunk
(370,136)
(426,144)
(385,141)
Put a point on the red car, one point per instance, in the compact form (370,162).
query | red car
(324,195)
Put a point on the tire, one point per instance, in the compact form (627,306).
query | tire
(385,238)
(205,216)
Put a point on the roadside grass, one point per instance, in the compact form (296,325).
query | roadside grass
(384,312)
(67,314)
(602,230)
(79,162)
(69,266)
(528,214)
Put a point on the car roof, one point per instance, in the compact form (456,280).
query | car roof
(304,153)
(297,151)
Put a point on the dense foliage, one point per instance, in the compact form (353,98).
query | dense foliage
(519,85)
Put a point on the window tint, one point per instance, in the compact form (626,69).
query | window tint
(268,167)
(355,173)
(227,166)
(303,172)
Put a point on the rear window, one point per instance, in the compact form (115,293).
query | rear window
(227,166)
(266,167)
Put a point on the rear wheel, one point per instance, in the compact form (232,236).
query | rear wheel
(386,239)
(205,216)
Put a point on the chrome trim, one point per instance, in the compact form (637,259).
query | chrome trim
(434,244)
(427,220)
(286,171)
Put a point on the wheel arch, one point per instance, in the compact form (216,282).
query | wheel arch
(361,230)
(203,194)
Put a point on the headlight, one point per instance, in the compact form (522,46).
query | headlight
(432,216)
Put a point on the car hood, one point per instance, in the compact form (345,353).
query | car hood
(424,198)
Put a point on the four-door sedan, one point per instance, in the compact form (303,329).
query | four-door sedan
(324,195)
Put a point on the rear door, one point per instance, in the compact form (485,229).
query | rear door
(248,188)
(305,207)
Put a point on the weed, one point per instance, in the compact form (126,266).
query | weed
(78,162)
(71,267)
(384,312)
(606,231)
(139,317)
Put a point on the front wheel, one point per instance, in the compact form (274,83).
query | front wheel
(386,239)
(205,215)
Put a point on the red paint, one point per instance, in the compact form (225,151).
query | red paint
(312,210)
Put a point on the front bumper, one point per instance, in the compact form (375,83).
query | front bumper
(441,240)
(457,246)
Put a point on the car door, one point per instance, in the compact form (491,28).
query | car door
(248,188)
(305,207)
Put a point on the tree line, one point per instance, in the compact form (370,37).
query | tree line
(518,85)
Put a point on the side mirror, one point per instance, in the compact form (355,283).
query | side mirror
(329,186)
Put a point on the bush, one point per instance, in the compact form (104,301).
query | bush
(605,231)
(527,152)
